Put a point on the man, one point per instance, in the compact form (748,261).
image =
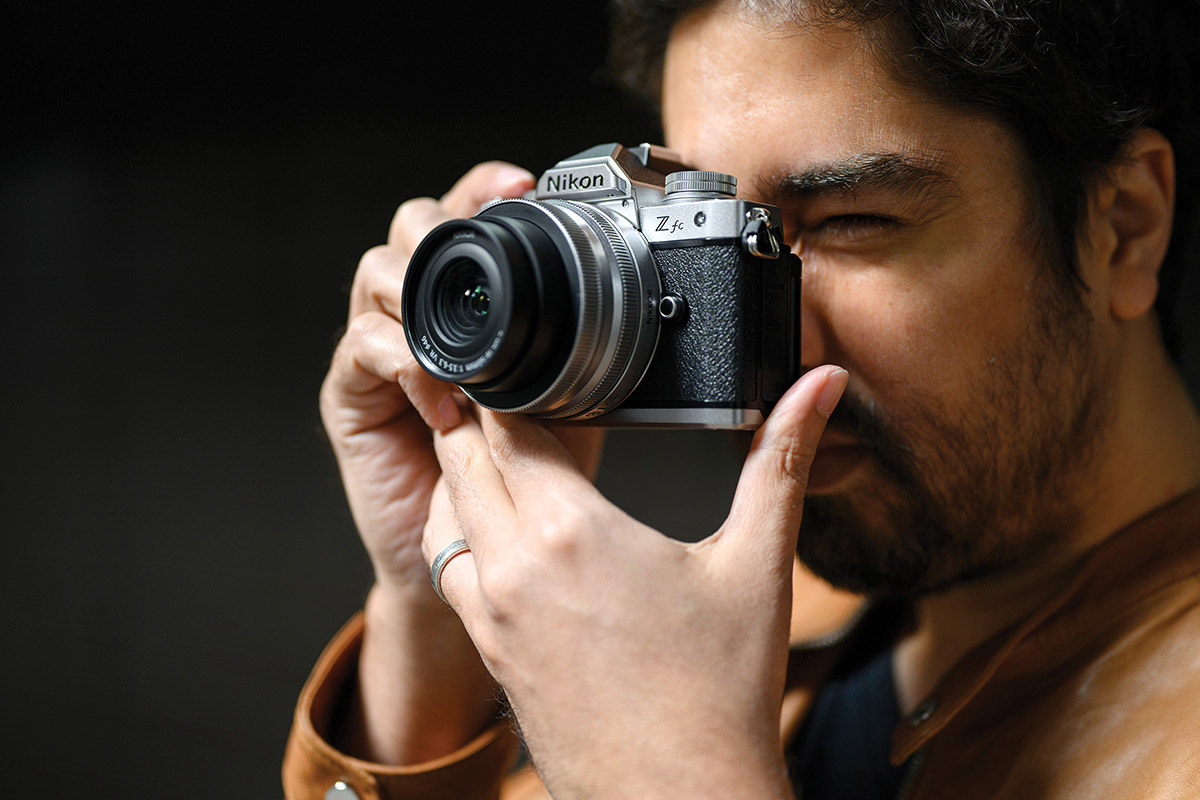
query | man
(983,196)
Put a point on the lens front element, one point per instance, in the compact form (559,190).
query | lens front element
(461,301)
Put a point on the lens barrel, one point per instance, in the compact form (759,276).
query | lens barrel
(539,307)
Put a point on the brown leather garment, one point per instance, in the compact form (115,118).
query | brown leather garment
(1094,695)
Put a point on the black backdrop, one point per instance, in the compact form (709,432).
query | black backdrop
(184,194)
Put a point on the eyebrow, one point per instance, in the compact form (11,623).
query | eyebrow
(909,174)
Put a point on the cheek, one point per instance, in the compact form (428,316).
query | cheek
(911,342)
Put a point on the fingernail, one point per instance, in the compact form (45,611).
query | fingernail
(831,392)
(448,412)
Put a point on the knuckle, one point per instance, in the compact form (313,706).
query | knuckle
(376,339)
(331,394)
(428,532)
(375,280)
(559,537)
(374,259)
(503,584)
(411,209)
(326,403)
(503,447)
(412,218)
(458,463)
(795,458)
(369,264)
(360,287)
(362,329)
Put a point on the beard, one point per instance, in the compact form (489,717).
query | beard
(951,494)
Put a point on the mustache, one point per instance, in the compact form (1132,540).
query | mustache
(860,419)
(863,421)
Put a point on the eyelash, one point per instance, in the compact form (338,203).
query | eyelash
(858,222)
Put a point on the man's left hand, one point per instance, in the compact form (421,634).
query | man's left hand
(636,665)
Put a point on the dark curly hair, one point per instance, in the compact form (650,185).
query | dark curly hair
(1073,79)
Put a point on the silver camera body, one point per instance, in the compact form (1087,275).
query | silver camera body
(634,183)
(624,290)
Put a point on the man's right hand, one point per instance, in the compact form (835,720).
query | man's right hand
(423,691)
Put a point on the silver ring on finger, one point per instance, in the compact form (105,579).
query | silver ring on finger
(448,554)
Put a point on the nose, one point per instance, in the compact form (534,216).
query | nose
(814,329)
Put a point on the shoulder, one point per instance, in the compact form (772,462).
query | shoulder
(1113,711)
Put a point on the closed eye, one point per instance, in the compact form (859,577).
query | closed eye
(850,224)
(856,222)
(850,231)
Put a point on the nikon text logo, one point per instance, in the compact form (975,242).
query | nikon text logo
(570,181)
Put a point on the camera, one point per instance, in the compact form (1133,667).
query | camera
(625,290)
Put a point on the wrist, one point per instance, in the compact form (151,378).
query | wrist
(423,691)
(731,776)
(403,603)
(698,779)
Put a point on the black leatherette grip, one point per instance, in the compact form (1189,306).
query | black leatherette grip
(711,358)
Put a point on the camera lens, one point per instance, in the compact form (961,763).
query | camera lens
(544,308)
(462,299)
(475,301)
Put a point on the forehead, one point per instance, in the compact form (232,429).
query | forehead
(750,93)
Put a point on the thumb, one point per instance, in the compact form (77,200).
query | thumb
(765,517)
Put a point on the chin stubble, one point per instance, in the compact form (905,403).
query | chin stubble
(954,494)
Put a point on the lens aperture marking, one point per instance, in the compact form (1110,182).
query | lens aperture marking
(487,354)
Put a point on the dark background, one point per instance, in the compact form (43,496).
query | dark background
(184,195)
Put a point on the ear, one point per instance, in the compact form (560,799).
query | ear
(1132,210)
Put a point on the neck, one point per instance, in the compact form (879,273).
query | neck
(1150,455)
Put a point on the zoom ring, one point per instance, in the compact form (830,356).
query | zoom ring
(591,302)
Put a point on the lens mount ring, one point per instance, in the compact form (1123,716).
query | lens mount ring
(630,288)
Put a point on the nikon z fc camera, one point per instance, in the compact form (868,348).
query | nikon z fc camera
(625,290)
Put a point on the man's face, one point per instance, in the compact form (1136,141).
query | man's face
(964,436)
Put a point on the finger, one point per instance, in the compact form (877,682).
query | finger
(482,506)
(530,458)
(374,352)
(378,282)
(381,272)
(585,445)
(413,220)
(485,182)
(458,578)
(765,517)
